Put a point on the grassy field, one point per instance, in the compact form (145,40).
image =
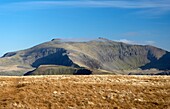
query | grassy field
(85,92)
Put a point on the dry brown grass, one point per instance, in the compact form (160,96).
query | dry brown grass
(85,92)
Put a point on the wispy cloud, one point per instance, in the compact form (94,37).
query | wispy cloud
(94,3)
(150,42)
(137,42)
(80,39)
(83,39)
(148,7)
(127,41)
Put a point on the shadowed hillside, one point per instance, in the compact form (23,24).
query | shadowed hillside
(162,64)
(58,70)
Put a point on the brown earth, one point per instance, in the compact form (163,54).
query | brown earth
(85,92)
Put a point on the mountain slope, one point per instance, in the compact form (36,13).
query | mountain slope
(96,54)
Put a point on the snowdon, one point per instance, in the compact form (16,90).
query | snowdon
(100,56)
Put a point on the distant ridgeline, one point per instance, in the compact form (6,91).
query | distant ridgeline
(101,55)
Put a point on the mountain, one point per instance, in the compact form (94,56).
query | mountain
(99,54)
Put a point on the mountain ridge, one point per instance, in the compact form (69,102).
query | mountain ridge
(97,54)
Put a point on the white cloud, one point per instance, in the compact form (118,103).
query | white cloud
(150,42)
(137,42)
(127,41)
(81,39)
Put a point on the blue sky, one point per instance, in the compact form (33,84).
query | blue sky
(25,23)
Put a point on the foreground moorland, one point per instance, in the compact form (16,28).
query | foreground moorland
(85,92)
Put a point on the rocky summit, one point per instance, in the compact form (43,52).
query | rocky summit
(97,55)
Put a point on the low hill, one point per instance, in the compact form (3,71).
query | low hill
(58,70)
